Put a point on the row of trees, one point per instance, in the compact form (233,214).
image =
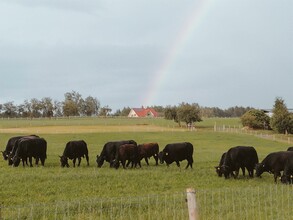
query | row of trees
(280,121)
(73,105)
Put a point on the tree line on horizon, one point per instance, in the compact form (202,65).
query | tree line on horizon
(75,105)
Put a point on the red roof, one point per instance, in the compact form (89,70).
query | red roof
(145,112)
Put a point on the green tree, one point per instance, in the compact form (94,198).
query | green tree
(170,113)
(73,103)
(91,106)
(105,111)
(9,109)
(188,113)
(281,121)
(256,119)
(36,107)
(47,107)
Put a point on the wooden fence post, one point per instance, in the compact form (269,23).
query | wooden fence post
(191,203)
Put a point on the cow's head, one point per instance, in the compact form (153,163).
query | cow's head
(64,161)
(10,159)
(226,170)
(218,171)
(100,160)
(259,169)
(15,161)
(161,156)
(5,155)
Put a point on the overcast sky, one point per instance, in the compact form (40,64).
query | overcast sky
(219,53)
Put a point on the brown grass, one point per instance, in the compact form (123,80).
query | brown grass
(85,129)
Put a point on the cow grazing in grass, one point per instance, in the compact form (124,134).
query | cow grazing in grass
(16,145)
(29,148)
(10,144)
(108,152)
(148,150)
(218,168)
(74,150)
(126,152)
(288,172)
(239,157)
(177,152)
(273,163)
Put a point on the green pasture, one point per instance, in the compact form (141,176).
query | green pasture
(52,184)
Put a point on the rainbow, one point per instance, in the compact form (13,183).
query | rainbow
(193,21)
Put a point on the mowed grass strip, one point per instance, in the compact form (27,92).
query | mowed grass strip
(85,129)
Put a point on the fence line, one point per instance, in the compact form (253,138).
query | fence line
(272,201)
(281,138)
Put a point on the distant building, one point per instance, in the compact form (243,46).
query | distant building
(269,112)
(142,113)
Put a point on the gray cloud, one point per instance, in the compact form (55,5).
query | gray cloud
(239,53)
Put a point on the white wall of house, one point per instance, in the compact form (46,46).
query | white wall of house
(132,114)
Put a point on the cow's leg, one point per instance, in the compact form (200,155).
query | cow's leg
(128,162)
(37,161)
(123,164)
(74,160)
(43,161)
(236,173)
(178,164)
(24,160)
(156,159)
(79,160)
(87,159)
(146,160)
(243,171)
(189,163)
(31,161)
(276,174)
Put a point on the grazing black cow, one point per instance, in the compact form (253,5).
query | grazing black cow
(28,148)
(10,144)
(273,163)
(239,157)
(290,149)
(126,152)
(288,172)
(148,150)
(109,151)
(177,152)
(15,146)
(74,150)
(218,168)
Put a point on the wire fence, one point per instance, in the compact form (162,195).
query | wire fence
(268,202)
(262,134)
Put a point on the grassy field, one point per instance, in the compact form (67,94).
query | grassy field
(55,185)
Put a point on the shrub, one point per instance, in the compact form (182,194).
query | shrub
(256,119)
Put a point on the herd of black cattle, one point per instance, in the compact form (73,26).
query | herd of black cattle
(24,148)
